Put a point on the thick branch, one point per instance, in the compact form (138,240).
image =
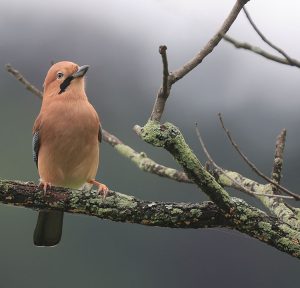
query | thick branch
(116,207)
(169,137)
(124,208)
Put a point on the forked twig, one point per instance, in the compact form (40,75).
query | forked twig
(261,52)
(251,165)
(173,77)
(219,169)
(263,37)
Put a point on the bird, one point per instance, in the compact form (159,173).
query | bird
(66,137)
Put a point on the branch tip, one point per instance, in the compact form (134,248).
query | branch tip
(162,49)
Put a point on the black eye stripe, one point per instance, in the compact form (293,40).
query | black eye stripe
(63,86)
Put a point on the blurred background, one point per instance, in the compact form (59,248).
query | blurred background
(120,40)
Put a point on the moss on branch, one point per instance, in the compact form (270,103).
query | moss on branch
(116,207)
(239,214)
(169,137)
(124,208)
(276,206)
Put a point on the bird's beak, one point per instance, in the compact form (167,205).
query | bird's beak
(81,71)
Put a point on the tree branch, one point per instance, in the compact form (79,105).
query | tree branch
(260,52)
(173,77)
(252,166)
(124,208)
(220,171)
(211,44)
(264,38)
(116,207)
(143,162)
(234,180)
(278,208)
(169,137)
(24,81)
(278,158)
(163,53)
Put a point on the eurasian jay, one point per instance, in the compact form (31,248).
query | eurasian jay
(66,136)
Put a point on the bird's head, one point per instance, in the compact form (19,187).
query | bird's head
(65,77)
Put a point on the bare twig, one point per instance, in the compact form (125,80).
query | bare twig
(211,44)
(261,35)
(277,166)
(253,167)
(163,53)
(278,158)
(173,77)
(260,52)
(24,81)
(165,89)
(276,205)
(223,171)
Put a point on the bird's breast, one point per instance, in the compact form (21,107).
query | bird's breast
(69,149)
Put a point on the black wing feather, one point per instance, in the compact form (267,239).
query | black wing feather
(100,133)
(35,147)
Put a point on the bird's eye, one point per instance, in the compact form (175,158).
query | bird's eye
(59,75)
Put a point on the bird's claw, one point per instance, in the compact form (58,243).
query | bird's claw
(102,188)
(44,185)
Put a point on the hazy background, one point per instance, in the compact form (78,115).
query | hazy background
(120,39)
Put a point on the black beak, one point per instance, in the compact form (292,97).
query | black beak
(81,71)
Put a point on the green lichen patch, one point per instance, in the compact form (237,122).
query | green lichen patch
(267,227)
(169,136)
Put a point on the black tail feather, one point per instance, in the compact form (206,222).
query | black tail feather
(48,228)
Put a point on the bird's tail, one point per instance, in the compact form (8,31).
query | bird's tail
(48,228)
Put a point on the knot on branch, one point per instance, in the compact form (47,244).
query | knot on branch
(160,135)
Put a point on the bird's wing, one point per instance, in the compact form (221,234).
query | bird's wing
(100,133)
(36,140)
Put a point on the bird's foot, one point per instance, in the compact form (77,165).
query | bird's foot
(102,188)
(43,184)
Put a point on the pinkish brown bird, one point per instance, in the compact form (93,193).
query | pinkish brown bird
(66,136)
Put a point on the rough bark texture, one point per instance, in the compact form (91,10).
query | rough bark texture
(242,216)
(124,208)
(169,137)
(116,207)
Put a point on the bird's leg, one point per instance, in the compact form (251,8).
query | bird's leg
(45,185)
(102,188)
